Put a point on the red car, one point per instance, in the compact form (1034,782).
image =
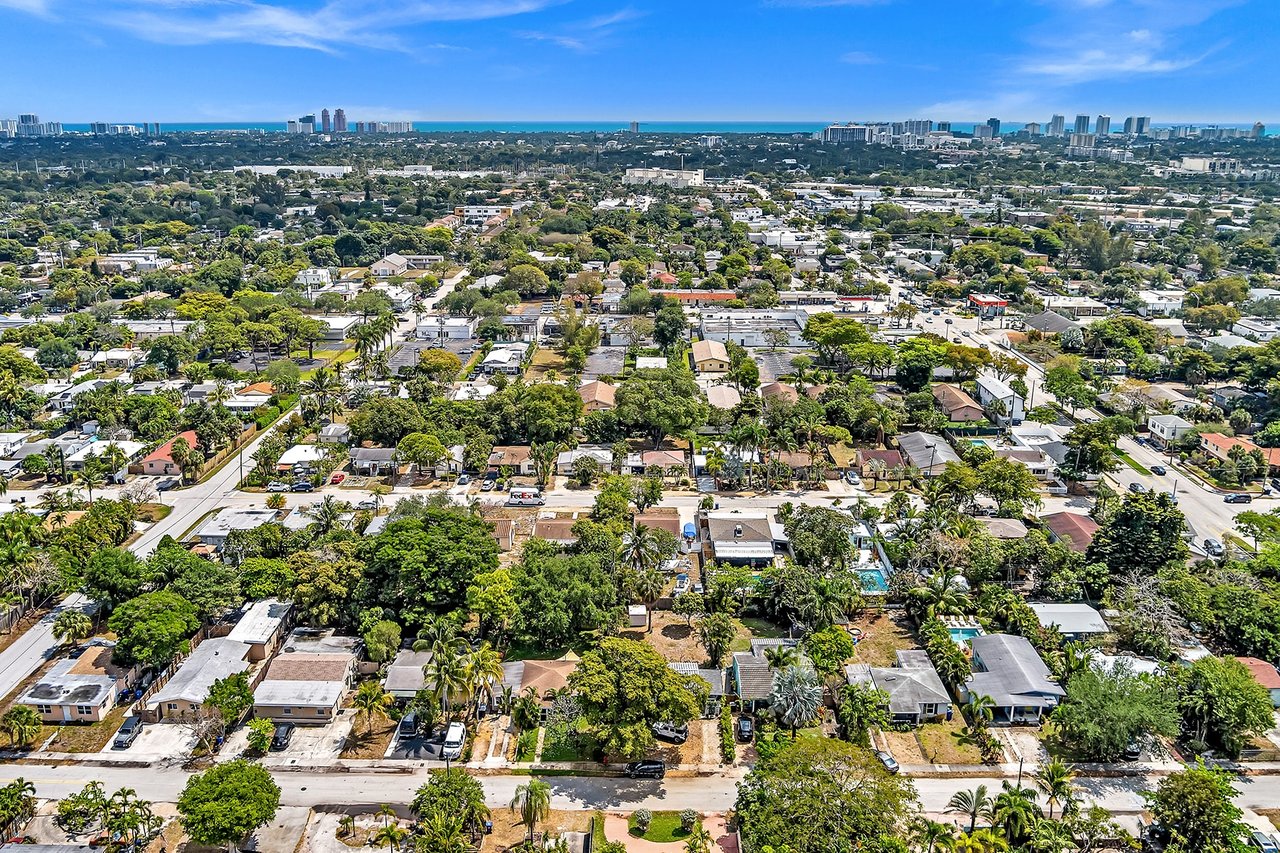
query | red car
(338,478)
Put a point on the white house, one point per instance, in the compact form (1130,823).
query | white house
(992,389)
(443,328)
(314,277)
(1160,302)
(1256,328)
(1166,429)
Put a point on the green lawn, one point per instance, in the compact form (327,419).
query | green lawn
(763,628)
(663,829)
(557,745)
(1134,464)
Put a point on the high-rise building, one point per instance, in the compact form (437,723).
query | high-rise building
(1130,126)
(340,120)
(28,118)
(1057,125)
(944,127)
(29,125)
(1144,126)
(1103,127)
(307,124)
(324,121)
(918,127)
(982,131)
(98,128)
(1259,130)
(1032,128)
(994,124)
(1083,140)
(635,127)
(846,133)
(1082,124)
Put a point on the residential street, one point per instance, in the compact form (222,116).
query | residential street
(708,794)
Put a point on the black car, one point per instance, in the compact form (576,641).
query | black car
(1132,752)
(166,484)
(128,733)
(303,486)
(1159,470)
(1238,498)
(646,769)
(283,734)
(408,726)
(1137,488)
(671,733)
(746,729)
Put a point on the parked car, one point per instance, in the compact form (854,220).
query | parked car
(1238,498)
(463,479)
(488,485)
(454,738)
(408,726)
(1262,841)
(1159,470)
(889,762)
(853,479)
(277,486)
(303,486)
(671,733)
(649,769)
(166,484)
(746,729)
(367,503)
(281,737)
(965,333)
(1137,488)
(1132,752)
(937,313)
(682,585)
(1214,548)
(128,733)
(338,478)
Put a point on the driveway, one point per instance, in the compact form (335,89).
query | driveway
(309,745)
(284,833)
(158,742)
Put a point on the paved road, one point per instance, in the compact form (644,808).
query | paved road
(708,794)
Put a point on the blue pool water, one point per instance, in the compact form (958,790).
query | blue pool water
(963,635)
(873,580)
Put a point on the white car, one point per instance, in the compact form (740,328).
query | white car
(277,486)
(454,738)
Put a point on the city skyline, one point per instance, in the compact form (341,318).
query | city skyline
(1201,61)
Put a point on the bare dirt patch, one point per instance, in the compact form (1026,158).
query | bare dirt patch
(369,744)
(883,634)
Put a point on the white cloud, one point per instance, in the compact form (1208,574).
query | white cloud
(330,26)
(1104,64)
(584,36)
(860,57)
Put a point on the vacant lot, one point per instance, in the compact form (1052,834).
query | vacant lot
(509,832)
(882,635)
(369,743)
(932,743)
(677,641)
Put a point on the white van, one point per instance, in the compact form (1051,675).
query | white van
(454,738)
(525,496)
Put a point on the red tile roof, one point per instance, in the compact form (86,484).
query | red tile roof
(1074,529)
(164,453)
(1263,672)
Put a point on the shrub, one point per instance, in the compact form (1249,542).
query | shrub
(688,820)
(275,501)
(643,817)
(728,754)
(260,734)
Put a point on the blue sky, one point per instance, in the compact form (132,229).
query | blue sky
(819,60)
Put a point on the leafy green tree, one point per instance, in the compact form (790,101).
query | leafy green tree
(561,597)
(261,731)
(382,640)
(1194,806)
(153,628)
(1104,711)
(624,687)
(661,403)
(227,802)
(859,707)
(716,631)
(820,536)
(670,326)
(819,795)
(828,650)
(211,587)
(455,793)
(230,697)
(1142,535)
(1224,703)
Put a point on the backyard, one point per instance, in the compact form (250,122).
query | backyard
(883,634)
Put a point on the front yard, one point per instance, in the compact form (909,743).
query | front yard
(369,742)
(932,743)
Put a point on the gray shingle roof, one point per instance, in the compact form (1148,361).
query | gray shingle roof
(1011,672)
(754,678)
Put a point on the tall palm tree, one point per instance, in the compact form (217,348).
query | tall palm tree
(391,834)
(1055,781)
(781,657)
(91,475)
(941,595)
(371,700)
(641,551)
(980,709)
(796,697)
(976,804)
(533,801)
(648,587)
(485,672)
(447,677)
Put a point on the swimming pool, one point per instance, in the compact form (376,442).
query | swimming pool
(874,580)
(960,636)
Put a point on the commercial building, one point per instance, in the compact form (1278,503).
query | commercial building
(1082,124)
(676,178)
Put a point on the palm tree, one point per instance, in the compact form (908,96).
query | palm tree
(976,804)
(1015,812)
(781,657)
(21,723)
(484,667)
(327,514)
(796,697)
(641,551)
(1052,836)
(699,840)
(980,709)
(392,834)
(447,676)
(980,841)
(371,700)
(533,801)
(71,626)
(648,587)
(443,833)
(941,594)
(1055,781)
(91,475)
(925,834)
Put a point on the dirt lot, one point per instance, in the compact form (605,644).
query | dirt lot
(677,641)
(882,635)
(691,751)
(509,832)
(931,743)
(364,743)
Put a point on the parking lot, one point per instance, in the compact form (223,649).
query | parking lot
(604,361)
(775,364)
(308,744)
